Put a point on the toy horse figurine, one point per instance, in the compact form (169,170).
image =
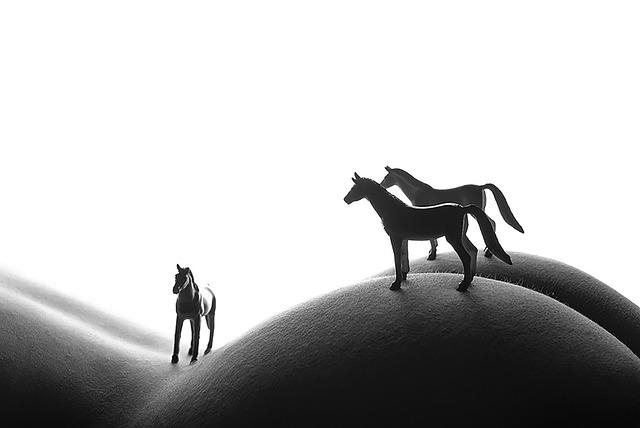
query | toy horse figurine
(421,195)
(192,304)
(403,222)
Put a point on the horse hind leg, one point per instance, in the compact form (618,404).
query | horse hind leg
(211,323)
(472,251)
(487,251)
(456,242)
(432,252)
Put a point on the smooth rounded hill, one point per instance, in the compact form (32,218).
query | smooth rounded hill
(573,287)
(498,355)
(64,363)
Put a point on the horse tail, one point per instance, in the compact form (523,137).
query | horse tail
(503,206)
(488,233)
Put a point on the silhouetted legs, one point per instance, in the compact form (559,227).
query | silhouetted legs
(432,252)
(211,323)
(472,251)
(405,259)
(456,242)
(190,351)
(434,242)
(176,339)
(487,251)
(195,337)
(396,244)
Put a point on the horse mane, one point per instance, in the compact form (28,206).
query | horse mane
(193,281)
(377,185)
(401,172)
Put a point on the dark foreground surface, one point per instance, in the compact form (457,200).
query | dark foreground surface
(427,355)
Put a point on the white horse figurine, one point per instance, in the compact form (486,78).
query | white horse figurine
(192,304)
(403,222)
(422,195)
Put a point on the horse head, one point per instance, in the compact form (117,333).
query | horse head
(358,191)
(182,279)
(389,179)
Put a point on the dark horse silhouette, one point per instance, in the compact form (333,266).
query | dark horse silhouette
(422,195)
(403,222)
(192,304)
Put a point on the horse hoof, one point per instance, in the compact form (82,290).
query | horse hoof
(174,359)
(432,256)
(395,286)
(462,287)
(206,351)
(194,359)
(488,253)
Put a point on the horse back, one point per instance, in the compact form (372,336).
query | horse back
(469,194)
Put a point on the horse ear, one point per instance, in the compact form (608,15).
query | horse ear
(354,180)
(387,168)
(178,266)
(356,175)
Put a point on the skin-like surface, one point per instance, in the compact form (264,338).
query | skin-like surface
(64,363)
(570,286)
(499,355)
(362,355)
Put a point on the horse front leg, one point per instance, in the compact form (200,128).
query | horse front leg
(195,339)
(432,252)
(190,352)
(405,259)
(176,339)
(396,244)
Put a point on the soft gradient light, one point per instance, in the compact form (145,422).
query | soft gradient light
(223,136)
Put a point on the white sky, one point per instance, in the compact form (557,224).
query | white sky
(135,135)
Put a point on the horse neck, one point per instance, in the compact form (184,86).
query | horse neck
(383,202)
(411,186)
(187,296)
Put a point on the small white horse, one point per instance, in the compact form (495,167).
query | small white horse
(192,304)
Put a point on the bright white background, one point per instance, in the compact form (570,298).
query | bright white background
(135,135)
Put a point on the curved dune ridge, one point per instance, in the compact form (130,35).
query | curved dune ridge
(573,287)
(362,355)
